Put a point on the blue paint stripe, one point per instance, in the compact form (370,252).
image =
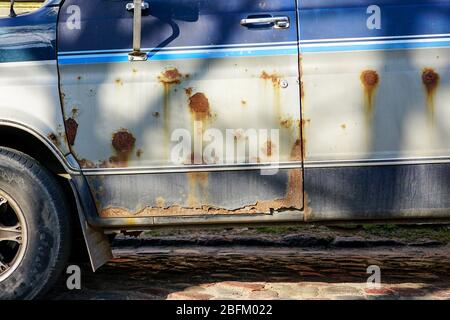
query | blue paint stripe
(211,54)
(375,46)
(275,51)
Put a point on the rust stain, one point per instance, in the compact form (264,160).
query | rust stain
(71,129)
(160,202)
(119,82)
(287,123)
(139,153)
(243,103)
(303,142)
(199,106)
(297,150)
(268,148)
(75,112)
(198,188)
(370,80)
(54,139)
(188,91)
(275,78)
(198,197)
(430,79)
(343,126)
(170,76)
(123,143)
(86,163)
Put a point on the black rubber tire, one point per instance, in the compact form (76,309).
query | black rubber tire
(47,217)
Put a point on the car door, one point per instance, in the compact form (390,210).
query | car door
(376,107)
(208,124)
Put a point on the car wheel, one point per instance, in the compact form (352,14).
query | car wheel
(34,227)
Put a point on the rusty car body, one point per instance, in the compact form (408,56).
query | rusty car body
(358,92)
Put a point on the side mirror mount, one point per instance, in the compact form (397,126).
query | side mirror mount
(12,13)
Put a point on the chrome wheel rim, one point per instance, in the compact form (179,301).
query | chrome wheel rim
(13,235)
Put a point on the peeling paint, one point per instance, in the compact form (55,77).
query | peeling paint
(198,198)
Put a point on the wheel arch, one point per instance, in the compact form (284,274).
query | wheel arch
(42,149)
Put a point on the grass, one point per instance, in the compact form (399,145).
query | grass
(410,233)
(22,5)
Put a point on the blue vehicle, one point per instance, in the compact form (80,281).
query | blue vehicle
(205,112)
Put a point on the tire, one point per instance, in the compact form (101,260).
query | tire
(32,193)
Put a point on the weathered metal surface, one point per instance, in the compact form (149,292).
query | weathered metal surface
(197,193)
(128,114)
(175,97)
(379,105)
(374,93)
(378,193)
(29,76)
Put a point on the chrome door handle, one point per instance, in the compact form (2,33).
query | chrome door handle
(274,22)
(130,6)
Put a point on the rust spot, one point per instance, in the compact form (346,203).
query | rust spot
(297,150)
(370,80)
(123,143)
(71,129)
(170,76)
(430,79)
(54,139)
(243,103)
(343,126)
(155,114)
(287,123)
(188,91)
(86,163)
(119,82)
(268,148)
(139,153)
(79,78)
(75,111)
(135,70)
(275,78)
(199,106)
